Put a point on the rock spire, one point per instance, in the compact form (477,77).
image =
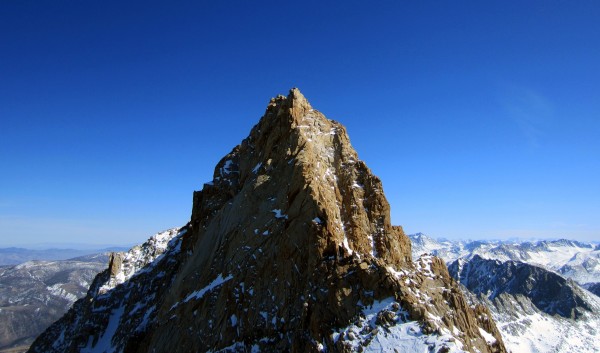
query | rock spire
(287,247)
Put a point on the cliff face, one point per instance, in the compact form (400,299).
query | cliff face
(289,247)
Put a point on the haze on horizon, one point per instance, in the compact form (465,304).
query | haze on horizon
(481,119)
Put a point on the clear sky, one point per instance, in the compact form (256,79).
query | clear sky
(481,118)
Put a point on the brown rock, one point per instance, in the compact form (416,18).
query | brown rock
(115,262)
(292,235)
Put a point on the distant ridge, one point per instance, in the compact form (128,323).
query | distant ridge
(15,255)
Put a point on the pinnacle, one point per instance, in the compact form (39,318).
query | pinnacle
(295,104)
(298,102)
(297,97)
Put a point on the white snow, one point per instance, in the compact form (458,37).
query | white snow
(104,344)
(60,292)
(357,185)
(278,214)
(226,167)
(487,336)
(346,245)
(540,333)
(145,319)
(264,315)
(402,336)
(256,168)
(143,258)
(200,293)
(575,260)
(373,248)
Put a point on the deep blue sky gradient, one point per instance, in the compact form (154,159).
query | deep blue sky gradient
(481,118)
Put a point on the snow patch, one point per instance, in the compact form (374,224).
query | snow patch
(105,344)
(142,259)
(278,214)
(200,293)
(487,336)
(400,335)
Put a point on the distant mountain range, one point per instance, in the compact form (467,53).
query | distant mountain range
(15,256)
(34,294)
(576,260)
(531,288)
(536,310)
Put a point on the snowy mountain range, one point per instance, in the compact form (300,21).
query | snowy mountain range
(572,259)
(34,294)
(15,256)
(533,289)
(537,311)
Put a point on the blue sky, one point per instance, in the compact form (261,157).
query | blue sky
(481,118)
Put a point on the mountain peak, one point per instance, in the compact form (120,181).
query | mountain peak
(295,105)
(288,244)
(297,98)
(296,154)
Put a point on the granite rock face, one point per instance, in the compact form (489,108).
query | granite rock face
(288,248)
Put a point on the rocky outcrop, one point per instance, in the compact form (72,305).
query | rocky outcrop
(288,247)
(114,263)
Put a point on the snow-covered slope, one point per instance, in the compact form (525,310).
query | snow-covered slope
(114,302)
(384,327)
(136,260)
(537,311)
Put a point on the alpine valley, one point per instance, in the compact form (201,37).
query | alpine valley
(290,248)
(34,294)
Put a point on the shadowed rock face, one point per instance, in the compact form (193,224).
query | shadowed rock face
(288,242)
(548,291)
(537,310)
(594,288)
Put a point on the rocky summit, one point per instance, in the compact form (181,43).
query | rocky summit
(289,248)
